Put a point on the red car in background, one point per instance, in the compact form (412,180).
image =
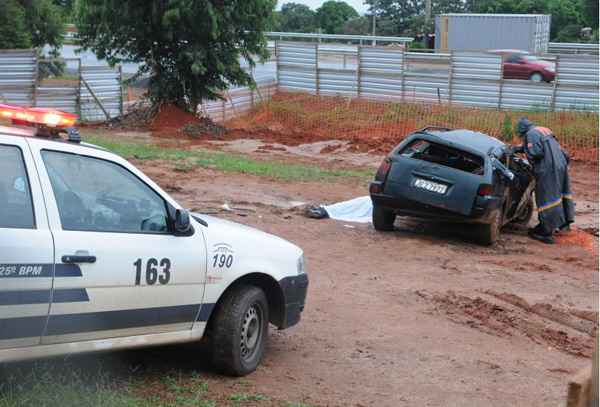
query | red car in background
(520,65)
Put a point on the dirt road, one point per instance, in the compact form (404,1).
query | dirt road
(416,317)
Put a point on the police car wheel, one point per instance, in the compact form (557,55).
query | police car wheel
(240,331)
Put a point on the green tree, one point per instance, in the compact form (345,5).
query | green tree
(565,13)
(66,7)
(275,22)
(30,23)
(332,16)
(296,17)
(190,48)
(13,28)
(45,22)
(569,33)
(407,17)
(589,13)
(358,26)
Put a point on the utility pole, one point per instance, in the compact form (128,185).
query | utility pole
(427,20)
(374,29)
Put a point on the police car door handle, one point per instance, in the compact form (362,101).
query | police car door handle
(75,258)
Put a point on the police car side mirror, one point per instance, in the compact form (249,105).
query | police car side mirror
(182,224)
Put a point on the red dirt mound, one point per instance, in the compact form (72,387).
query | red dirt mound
(170,118)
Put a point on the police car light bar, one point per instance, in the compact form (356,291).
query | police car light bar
(37,116)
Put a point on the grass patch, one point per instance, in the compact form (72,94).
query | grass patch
(43,385)
(187,160)
(239,398)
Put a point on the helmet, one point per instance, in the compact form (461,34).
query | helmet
(524,125)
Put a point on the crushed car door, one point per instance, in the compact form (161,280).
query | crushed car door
(523,184)
(26,249)
(110,220)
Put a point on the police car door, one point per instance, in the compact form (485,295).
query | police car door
(110,220)
(26,249)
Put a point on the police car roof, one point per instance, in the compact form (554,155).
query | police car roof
(479,142)
(30,132)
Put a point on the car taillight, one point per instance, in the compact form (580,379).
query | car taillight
(383,170)
(485,190)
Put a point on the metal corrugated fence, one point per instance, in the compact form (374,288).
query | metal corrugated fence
(18,73)
(464,77)
(577,85)
(105,83)
(238,101)
(21,84)
(573,48)
(475,78)
(380,72)
(297,66)
(58,97)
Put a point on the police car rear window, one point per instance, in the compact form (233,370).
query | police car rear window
(425,150)
(16,208)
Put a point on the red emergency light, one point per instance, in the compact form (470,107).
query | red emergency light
(37,116)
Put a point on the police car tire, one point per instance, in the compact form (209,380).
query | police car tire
(383,219)
(227,326)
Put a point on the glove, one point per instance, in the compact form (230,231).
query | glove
(514,149)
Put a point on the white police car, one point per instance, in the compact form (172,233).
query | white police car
(96,256)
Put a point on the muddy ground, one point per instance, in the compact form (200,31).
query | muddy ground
(420,316)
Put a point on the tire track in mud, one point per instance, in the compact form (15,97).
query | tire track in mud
(505,315)
(571,318)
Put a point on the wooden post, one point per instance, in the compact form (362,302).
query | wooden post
(260,96)
(583,387)
(358,71)
(555,87)
(96,99)
(235,112)
(450,75)
(595,373)
(402,77)
(317,84)
(35,80)
(78,100)
(501,88)
(121,88)
(277,62)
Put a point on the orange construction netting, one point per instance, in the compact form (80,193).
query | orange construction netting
(377,126)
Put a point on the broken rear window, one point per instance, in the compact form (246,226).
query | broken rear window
(424,150)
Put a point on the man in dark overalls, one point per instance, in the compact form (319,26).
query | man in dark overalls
(556,209)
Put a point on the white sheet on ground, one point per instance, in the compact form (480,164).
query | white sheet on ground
(355,210)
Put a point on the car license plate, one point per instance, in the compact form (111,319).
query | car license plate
(430,186)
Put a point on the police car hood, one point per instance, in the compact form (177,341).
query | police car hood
(245,237)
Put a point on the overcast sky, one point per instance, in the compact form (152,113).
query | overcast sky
(315,4)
